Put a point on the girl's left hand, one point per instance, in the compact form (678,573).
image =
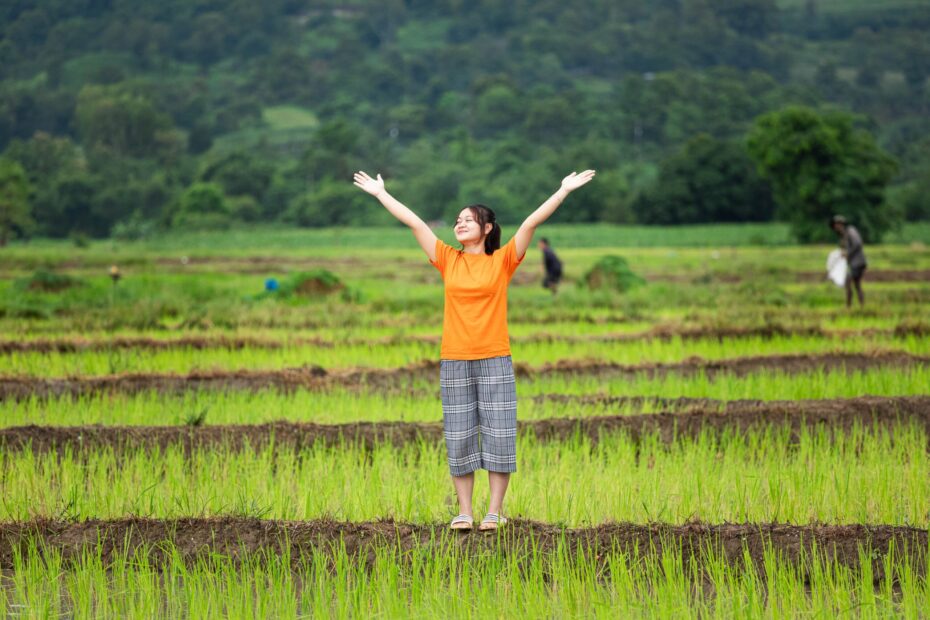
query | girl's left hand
(373,186)
(576,180)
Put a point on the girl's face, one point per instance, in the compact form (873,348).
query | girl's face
(467,229)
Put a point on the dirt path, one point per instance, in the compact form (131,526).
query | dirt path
(316,377)
(232,537)
(79,345)
(689,419)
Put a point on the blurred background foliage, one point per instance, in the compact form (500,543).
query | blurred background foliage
(130,117)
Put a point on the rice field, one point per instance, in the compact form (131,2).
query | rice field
(726,440)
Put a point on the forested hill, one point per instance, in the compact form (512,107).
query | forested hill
(128,115)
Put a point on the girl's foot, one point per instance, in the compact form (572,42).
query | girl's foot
(492,521)
(462,522)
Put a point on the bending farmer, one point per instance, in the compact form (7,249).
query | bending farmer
(476,379)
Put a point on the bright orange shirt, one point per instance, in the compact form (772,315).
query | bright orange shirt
(474,324)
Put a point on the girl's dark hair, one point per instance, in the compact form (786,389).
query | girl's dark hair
(483,215)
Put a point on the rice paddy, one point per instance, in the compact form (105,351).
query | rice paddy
(726,440)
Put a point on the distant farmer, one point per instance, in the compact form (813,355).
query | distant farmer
(479,398)
(851,246)
(552,265)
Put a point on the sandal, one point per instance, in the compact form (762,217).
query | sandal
(462,522)
(491,521)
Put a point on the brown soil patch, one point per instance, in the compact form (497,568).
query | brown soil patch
(739,366)
(314,287)
(664,332)
(315,377)
(687,418)
(231,537)
(874,275)
(264,264)
(871,275)
(77,345)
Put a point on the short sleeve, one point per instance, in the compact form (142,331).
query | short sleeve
(511,262)
(444,254)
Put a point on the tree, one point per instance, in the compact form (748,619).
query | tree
(46,160)
(14,200)
(203,206)
(334,203)
(497,109)
(820,165)
(914,199)
(240,174)
(332,151)
(44,156)
(754,18)
(71,207)
(122,122)
(708,180)
(552,118)
(210,38)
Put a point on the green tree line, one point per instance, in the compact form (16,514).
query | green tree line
(126,117)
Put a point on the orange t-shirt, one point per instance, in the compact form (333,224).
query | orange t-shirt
(474,324)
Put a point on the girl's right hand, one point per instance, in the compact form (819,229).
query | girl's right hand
(370,185)
(576,180)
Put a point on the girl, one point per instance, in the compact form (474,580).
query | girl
(479,400)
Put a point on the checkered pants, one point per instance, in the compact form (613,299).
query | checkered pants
(479,412)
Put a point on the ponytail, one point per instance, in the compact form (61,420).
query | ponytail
(493,240)
(483,215)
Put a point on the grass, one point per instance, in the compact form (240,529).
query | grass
(398,288)
(861,477)
(423,584)
(421,402)
(709,239)
(289,117)
(698,277)
(394,355)
(393,286)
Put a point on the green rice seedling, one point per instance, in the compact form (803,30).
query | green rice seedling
(397,287)
(184,360)
(420,582)
(865,476)
(420,403)
(764,385)
(196,418)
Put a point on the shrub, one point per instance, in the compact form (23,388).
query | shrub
(47,282)
(312,283)
(611,273)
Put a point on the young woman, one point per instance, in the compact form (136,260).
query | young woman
(479,400)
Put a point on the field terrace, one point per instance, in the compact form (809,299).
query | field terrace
(727,435)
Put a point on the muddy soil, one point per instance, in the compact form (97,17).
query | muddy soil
(874,275)
(233,537)
(80,345)
(683,419)
(809,277)
(739,366)
(237,343)
(316,377)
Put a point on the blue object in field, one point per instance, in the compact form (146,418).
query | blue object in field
(271,284)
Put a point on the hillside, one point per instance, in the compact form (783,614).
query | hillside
(129,116)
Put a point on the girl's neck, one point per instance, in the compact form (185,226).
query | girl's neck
(473,248)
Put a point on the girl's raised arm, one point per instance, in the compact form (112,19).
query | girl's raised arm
(569,184)
(425,236)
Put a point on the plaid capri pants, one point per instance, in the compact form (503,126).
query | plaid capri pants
(479,412)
